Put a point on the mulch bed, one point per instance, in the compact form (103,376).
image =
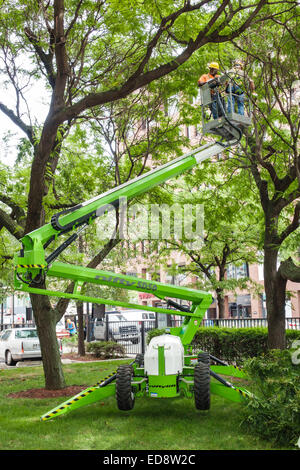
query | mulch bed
(76,357)
(64,392)
(43,393)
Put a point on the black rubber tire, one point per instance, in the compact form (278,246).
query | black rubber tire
(202,386)
(139,359)
(9,360)
(124,394)
(204,358)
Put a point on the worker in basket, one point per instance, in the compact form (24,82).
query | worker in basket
(213,73)
(235,88)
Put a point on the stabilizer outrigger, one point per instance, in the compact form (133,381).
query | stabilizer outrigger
(139,386)
(168,368)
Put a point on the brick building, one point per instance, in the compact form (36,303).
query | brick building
(241,304)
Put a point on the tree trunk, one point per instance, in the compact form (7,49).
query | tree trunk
(221,303)
(81,347)
(79,307)
(45,318)
(275,289)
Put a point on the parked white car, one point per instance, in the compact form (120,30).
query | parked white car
(17,344)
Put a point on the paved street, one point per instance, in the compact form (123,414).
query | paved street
(30,363)
(66,350)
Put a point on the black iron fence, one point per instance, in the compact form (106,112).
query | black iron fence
(292,323)
(132,335)
(23,324)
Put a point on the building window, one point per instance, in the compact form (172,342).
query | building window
(263,305)
(237,272)
(170,279)
(131,274)
(177,279)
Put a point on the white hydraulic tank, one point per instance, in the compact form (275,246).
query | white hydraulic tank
(173,356)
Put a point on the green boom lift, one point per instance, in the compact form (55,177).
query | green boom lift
(168,368)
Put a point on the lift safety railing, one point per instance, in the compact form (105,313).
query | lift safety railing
(219,108)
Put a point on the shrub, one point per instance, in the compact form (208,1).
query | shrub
(231,344)
(274,410)
(70,339)
(236,344)
(106,349)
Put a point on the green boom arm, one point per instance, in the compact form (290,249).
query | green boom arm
(32,264)
(34,243)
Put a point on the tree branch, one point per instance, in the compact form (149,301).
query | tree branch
(45,58)
(63,303)
(139,78)
(21,124)
(293,225)
(17,213)
(13,228)
(289,271)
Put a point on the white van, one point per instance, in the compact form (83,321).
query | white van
(140,316)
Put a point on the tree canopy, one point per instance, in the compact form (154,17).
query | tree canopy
(79,58)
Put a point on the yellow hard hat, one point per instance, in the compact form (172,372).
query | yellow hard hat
(214,65)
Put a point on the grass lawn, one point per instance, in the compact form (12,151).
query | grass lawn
(170,424)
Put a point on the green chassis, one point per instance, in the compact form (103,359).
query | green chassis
(169,386)
(32,265)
